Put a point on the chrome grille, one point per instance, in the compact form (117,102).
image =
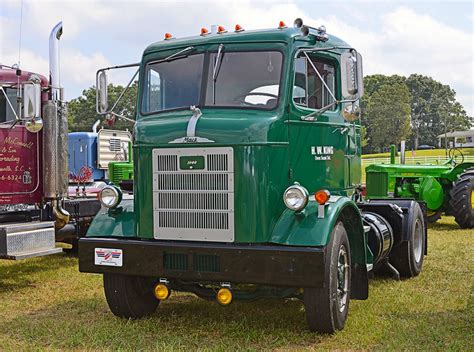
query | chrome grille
(196,202)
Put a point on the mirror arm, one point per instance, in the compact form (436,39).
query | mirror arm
(320,77)
(312,116)
(121,117)
(123,91)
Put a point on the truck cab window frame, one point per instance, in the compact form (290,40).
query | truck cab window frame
(263,93)
(308,90)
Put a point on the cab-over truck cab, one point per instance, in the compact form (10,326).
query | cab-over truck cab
(247,171)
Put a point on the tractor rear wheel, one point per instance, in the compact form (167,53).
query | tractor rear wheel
(462,199)
(130,297)
(327,308)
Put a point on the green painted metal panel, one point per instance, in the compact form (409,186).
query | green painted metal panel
(119,222)
(377,184)
(307,229)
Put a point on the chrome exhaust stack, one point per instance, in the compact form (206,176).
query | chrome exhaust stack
(55,169)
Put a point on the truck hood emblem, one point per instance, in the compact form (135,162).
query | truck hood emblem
(191,130)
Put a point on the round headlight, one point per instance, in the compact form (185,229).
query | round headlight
(110,196)
(296,197)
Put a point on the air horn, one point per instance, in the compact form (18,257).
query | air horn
(320,31)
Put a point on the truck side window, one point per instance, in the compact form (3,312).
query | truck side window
(6,113)
(309,90)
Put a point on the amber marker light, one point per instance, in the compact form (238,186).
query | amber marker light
(281,25)
(221,29)
(239,28)
(161,291)
(322,196)
(224,296)
(204,31)
(168,36)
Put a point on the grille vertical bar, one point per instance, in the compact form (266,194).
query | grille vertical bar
(193,203)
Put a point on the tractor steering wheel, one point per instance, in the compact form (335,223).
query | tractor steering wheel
(455,156)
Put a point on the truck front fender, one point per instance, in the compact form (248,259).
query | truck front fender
(307,229)
(117,222)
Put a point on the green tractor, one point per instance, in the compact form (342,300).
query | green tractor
(446,188)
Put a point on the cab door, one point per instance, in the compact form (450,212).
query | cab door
(320,153)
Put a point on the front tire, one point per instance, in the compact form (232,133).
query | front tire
(407,258)
(130,297)
(462,199)
(327,307)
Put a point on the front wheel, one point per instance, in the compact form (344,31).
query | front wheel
(130,297)
(327,308)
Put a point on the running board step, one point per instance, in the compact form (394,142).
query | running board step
(26,240)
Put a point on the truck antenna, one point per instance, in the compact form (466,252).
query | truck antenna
(21,27)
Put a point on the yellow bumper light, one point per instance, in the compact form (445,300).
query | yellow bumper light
(224,296)
(162,292)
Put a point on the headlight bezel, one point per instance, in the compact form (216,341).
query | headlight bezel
(305,197)
(117,193)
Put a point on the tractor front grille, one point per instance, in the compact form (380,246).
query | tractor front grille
(193,194)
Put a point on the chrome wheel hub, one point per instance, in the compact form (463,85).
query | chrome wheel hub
(418,241)
(342,278)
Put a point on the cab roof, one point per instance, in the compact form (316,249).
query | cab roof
(285,35)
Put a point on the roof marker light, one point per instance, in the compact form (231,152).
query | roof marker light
(168,36)
(282,25)
(221,29)
(239,28)
(204,31)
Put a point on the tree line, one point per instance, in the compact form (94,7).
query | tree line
(416,108)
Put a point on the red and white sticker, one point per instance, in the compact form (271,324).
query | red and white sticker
(108,256)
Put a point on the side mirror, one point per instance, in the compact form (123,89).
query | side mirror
(32,107)
(351,75)
(102,99)
(351,111)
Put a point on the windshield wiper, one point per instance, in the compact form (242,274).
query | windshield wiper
(215,71)
(177,55)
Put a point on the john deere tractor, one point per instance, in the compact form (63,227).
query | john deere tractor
(446,188)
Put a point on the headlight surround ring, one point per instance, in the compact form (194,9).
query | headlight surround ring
(296,197)
(110,196)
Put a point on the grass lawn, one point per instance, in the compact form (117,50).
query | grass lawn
(47,303)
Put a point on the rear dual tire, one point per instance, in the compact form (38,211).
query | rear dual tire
(407,258)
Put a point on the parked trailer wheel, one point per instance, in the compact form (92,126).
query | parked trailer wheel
(327,307)
(407,258)
(130,296)
(462,199)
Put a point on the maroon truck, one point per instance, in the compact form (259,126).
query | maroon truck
(35,210)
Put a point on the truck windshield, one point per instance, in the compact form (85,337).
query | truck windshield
(6,113)
(243,79)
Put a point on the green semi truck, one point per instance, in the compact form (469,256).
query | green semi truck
(247,178)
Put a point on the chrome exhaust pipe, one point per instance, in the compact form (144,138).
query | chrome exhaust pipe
(55,169)
(54,78)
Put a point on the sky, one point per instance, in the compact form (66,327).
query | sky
(433,38)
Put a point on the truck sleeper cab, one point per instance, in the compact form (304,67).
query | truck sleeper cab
(247,166)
